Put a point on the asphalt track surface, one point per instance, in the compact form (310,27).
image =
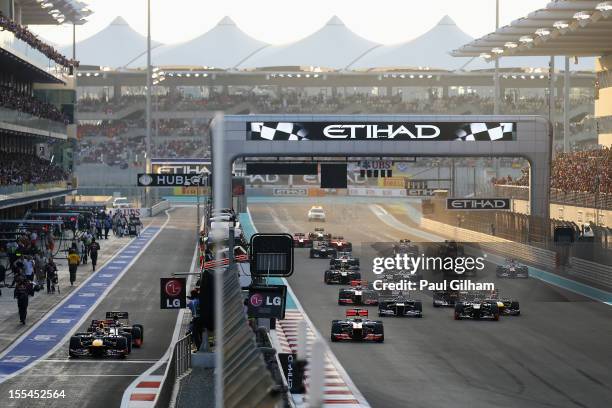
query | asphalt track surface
(558,353)
(96,383)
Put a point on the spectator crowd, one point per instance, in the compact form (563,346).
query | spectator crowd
(587,171)
(22,33)
(22,168)
(12,99)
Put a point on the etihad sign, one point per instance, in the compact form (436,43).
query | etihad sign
(387,131)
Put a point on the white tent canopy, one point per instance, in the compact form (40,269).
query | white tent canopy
(115,46)
(430,50)
(224,46)
(333,46)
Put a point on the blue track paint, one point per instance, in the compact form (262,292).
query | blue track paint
(48,333)
(249,229)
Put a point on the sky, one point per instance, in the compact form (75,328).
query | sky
(279,22)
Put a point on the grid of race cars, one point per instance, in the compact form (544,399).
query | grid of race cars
(344,269)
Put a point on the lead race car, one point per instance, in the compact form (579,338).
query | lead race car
(399,305)
(357,327)
(358,294)
(445,298)
(512,269)
(110,337)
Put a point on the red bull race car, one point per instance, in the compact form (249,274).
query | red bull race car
(357,327)
(110,337)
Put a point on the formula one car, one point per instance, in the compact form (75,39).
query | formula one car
(506,306)
(399,305)
(300,240)
(107,338)
(341,244)
(474,306)
(344,259)
(358,294)
(319,235)
(512,269)
(320,249)
(344,274)
(357,327)
(405,247)
(445,298)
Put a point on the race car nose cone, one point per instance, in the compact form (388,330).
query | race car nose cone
(97,343)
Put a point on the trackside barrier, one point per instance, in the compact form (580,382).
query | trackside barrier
(160,207)
(532,255)
(247,381)
(178,364)
(591,271)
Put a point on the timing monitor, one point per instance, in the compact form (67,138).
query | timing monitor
(271,255)
(333,175)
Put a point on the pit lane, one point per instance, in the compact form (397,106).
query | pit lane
(101,383)
(556,354)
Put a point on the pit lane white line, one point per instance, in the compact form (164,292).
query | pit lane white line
(69,361)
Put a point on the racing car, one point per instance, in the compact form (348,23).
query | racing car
(341,244)
(110,337)
(506,306)
(344,259)
(343,274)
(477,307)
(405,247)
(300,240)
(357,327)
(399,305)
(358,294)
(512,269)
(319,234)
(445,298)
(320,249)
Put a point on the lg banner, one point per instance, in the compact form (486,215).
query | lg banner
(404,131)
(267,301)
(173,293)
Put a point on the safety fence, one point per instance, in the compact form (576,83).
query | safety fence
(178,364)
(247,382)
(590,272)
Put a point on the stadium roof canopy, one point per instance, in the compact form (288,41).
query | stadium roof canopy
(429,51)
(224,46)
(564,27)
(115,46)
(334,46)
(46,12)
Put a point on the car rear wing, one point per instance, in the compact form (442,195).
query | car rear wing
(117,315)
(319,229)
(359,282)
(299,234)
(357,312)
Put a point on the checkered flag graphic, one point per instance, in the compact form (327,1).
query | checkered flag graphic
(483,131)
(278,131)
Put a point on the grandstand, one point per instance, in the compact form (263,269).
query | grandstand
(37,97)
